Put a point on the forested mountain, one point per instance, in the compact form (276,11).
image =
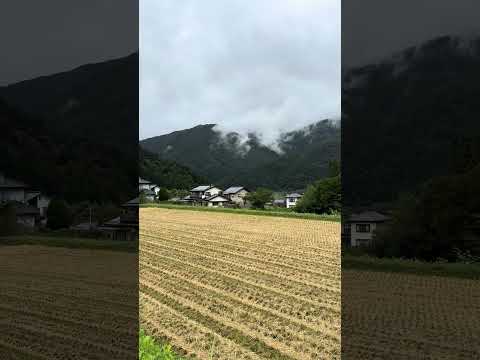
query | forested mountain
(167,173)
(299,158)
(74,134)
(409,118)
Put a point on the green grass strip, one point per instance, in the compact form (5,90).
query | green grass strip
(266,212)
(150,349)
(70,242)
(235,335)
(370,263)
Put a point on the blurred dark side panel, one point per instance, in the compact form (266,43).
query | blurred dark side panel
(68,180)
(410,180)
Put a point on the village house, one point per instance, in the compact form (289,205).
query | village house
(125,226)
(237,195)
(148,189)
(216,201)
(278,202)
(203,192)
(210,195)
(292,199)
(360,227)
(30,205)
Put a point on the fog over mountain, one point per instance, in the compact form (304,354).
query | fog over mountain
(299,157)
(266,67)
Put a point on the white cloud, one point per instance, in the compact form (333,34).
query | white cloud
(265,66)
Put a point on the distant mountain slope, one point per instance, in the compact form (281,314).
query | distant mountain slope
(99,101)
(74,134)
(302,156)
(167,173)
(409,118)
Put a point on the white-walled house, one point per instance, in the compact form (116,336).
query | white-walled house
(12,190)
(30,205)
(362,226)
(203,192)
(144,184)
(148,188)
(292,199)
(125,226)
(217,201)
(155,189)
(237,195)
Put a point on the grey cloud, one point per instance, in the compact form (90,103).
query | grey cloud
(265,66)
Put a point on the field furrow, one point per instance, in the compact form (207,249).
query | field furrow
(262,283)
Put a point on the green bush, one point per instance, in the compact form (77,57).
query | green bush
(150,350)
(259,198)
(59,215)
(163,194)
(8,220)
(323,197)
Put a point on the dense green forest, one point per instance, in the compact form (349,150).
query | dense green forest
(167,173)
(302,156)
(74,134)
(439,220)
(409,118)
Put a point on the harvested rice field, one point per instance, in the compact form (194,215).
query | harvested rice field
(234,286)
(60,303)
(405,316)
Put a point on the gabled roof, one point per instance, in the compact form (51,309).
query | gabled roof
(368,216)
(143,181)
(217,198)
(234,190)
(132,203)
(293,195)
(202,188)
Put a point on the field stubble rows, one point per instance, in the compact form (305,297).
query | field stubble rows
(223,285)
(58,303)
(405,316)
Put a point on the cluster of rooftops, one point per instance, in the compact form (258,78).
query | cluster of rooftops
(211,195)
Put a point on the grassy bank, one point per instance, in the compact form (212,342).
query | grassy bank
(370,263)
(149,349)
(69,242)
(267,212)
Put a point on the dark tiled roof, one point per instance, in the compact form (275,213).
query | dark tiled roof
(211,198)
(233,190)
(368,216)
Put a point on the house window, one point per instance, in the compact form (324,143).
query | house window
(362,228)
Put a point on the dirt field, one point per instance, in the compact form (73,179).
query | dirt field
(403,316)
(58,303)
(230,286)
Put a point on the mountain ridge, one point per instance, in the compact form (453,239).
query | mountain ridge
(231,158)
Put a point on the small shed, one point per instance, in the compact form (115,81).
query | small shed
(217,201)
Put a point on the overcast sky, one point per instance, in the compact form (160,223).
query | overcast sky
(265,66)
(373,29)
(49,36)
